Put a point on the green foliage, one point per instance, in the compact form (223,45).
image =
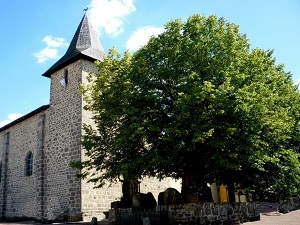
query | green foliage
(195,98)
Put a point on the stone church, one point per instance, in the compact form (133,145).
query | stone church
(36,180)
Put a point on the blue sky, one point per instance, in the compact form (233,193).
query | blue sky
(36,33)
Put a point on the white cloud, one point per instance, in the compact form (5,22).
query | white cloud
(141,37)
(45,54)
(11,117)
(110,15)
(51,49)
(55,42)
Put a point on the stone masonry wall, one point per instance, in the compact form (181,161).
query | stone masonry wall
(156,186)
(97,201)
(63,145)
(18,192)
(94,201)
(191,213)
(54,137)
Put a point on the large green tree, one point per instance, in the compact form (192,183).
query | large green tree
(195,100)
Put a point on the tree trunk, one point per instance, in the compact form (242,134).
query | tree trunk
(231,193)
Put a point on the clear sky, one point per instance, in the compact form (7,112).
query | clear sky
(36,33)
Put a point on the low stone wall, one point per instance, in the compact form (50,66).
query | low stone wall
(290,204)
(193,213)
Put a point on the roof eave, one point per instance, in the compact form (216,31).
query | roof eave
(32,113)
(54,69)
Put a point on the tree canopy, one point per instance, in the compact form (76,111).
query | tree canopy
(196,99)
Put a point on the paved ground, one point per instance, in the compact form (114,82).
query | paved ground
(275,218)
(270,216)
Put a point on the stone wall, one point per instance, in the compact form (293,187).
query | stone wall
(97,201)
(94,201)
(290,204)
(53,135)
(63,144)
(156,186)
(20,193)
(193,213)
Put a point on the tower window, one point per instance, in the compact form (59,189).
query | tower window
(66,77)
(0,172)
(29,164)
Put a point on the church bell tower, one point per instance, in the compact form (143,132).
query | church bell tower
(64,123)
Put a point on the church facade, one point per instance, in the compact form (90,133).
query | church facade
(36,180)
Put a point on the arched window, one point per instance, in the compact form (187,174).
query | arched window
(29,164)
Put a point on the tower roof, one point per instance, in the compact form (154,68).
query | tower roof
(85,44)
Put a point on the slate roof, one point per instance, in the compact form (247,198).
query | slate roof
(34,112)
(85,44)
